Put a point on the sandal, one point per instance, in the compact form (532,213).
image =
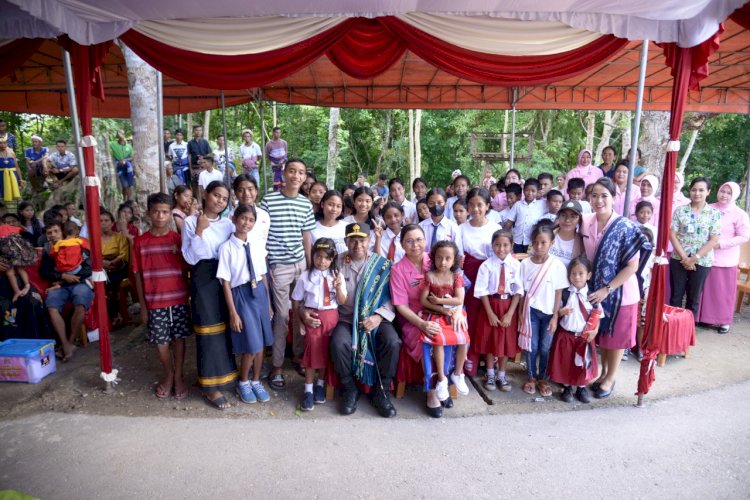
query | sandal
(298,368)
(162,392)
(179,396)
(277,382)
(530,386)
(544,389)
(218,403)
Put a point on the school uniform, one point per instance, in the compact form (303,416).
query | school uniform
(524,216)
(315,290)
(572,357)
(445,230)
(499,280)
(390,246)
(243,265)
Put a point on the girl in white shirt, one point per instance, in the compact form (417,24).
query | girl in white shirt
(242,271)
(390,243)
(573,361)
(321,289)
(330,223)
(544,278)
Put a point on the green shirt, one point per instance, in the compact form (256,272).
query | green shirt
(121,151)
(693,231)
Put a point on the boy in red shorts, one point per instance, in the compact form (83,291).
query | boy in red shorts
(161,282)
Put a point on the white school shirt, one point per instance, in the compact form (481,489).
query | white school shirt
(449,207)
(488,277)
(524,215)
(575,322)
(549,216)
(496,216)
(195,248)
(262,224)
(556,279)
(447,230)
(476,241)
(385,245)
(233,266)
(410,212)
(586,206)
(337,233)
(205,177)
(309,289)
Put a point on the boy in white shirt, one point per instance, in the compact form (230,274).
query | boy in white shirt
(554,202)
(524,215)
(576,189)
(208,174)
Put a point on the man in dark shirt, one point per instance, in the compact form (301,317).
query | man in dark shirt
(198,147)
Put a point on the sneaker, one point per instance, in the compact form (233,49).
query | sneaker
(307,402)
(625,354)
(245,394)
(567,394)
(723,329)
(319,394)
(260,392)
(489,384)
(441,390)
(583,395)
(460,382)
(504,385)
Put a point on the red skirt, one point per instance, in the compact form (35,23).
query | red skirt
(473,306)
(502,342)
(562,368)
(447,335)
(317,339)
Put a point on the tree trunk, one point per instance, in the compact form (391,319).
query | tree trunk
(274,114)
(653,139)
(627,129)
(411,144)
(417,145)
(686,155)
(146,136)
(189,130)
(105,169)
(333,146)
(207,125)
(386,140)
(610,123)
(590,130)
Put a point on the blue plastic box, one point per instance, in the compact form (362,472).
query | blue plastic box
(26,360)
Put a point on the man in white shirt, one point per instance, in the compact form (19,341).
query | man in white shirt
(208,174)
(250,153)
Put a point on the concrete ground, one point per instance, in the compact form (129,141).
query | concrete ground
(64,438)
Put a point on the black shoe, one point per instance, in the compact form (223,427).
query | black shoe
(382,403)
(723,329)
(601,393)
(307,402)
(567,394)
(349,400)
(583,395)
(595,386)
(448,403)
(435,412)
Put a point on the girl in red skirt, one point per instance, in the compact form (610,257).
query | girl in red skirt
(499,287)
(573,355)
(321,289)
(443,300)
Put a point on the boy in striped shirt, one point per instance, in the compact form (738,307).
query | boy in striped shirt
(161,283)
(288,246)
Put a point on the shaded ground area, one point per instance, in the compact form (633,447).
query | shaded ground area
(715,361)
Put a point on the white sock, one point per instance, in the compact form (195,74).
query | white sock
(255,382)
(501,374)
(243,383)
(308,387)
(491,374)
(320,383)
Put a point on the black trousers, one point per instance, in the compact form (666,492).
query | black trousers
(388,350)
(687,282)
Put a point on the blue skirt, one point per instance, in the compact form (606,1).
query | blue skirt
(256,319)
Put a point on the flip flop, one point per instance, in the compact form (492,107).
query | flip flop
(216,403)
(161,392)
(179,396)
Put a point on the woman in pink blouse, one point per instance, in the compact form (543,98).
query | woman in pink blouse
(720,289)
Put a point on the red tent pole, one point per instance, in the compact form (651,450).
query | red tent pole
(85,64)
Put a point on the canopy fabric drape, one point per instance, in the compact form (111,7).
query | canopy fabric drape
(741,16)
(15,52)
(255,35)
(364,48)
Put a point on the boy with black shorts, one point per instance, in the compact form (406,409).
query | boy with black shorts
(161,282)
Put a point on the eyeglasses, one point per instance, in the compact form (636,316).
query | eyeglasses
(413,241)
(568,216)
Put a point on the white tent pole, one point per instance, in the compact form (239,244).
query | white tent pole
(747,186)
(73,108)
(513,130)
(636,125)
(160,122)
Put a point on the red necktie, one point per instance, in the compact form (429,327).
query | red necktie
(501,288)
(326,293)
(582,307)
(392,249)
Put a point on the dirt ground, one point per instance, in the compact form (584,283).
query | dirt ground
(715,361)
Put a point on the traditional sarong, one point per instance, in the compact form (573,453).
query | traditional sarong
(718,297)
(372,292)
(217,370)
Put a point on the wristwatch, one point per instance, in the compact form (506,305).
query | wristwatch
(609,288)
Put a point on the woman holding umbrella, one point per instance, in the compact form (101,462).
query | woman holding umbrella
(617,248)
